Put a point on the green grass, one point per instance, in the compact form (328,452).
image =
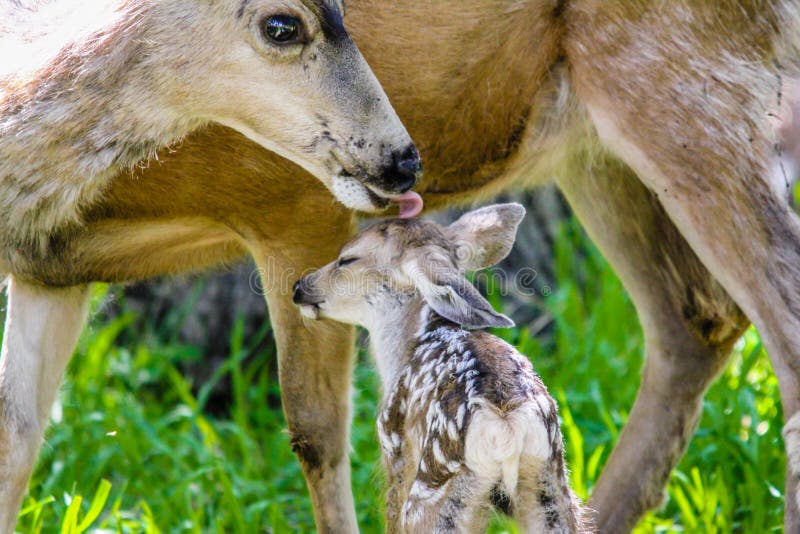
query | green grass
(135,447)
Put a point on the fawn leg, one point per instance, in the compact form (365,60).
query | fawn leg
(689,324)
(459,504)
(544,500)
(42,327)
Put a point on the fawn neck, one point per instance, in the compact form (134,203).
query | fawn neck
(392,334)
(395,332)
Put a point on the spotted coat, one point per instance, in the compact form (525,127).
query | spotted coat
(453,377)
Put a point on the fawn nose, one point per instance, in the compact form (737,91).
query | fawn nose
(297,293)
(402,172)
(302,295)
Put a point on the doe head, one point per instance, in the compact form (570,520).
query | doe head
(286,74)
(384,271)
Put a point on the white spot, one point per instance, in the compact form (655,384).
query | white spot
(452,431)
(423,492)
(309,312)
(437,452)
(461,415)
(453,466)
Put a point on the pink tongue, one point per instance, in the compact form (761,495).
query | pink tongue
(410,204)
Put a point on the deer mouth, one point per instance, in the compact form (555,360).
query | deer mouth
(359,195)
(379,201)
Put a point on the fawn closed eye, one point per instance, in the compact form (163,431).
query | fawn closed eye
(345,261)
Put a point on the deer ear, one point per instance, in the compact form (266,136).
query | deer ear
(454,298)
(484,237)
(448,293)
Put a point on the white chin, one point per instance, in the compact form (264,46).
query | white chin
(352,194)
(309,311)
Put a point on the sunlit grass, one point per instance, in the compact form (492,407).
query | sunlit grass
(136,448)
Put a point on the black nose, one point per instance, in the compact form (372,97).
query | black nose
(408,166)
(297,293)
(403,171)
(302,294)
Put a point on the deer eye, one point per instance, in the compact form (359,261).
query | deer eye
(282,29)
(341,262)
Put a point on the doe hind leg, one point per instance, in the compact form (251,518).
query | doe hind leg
(693,119)
(42,327)
(689,323)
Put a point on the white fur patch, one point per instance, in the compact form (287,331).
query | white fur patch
(310,312)
(492,447)
(352,193)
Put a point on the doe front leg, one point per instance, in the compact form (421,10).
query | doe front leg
(42,327)
(315,360)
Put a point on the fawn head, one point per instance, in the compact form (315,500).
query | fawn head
(388,267)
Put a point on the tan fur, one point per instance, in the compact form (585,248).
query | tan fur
(499,93)
(91,88)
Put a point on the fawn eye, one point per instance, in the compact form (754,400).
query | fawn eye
(282,29)
(345,261)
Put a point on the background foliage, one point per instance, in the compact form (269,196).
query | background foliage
(138,447)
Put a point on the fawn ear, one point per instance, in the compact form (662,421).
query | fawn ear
(451,295)
(484,237)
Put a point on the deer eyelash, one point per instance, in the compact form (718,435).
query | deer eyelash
(345,261)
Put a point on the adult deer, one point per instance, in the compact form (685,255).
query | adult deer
(655,119)
(91,88)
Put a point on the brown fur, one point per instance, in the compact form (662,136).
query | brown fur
(495,94)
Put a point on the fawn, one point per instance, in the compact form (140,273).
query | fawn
(466,424)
